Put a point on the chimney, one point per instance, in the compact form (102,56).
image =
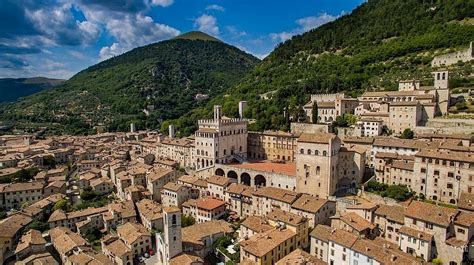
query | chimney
(171,131)
(217,112)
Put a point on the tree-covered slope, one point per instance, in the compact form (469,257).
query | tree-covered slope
(145,85)
(13,88)
(379,43)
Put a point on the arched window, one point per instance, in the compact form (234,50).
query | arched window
(318,170)
(225,151)
(444,76)
(301,151)
(325,153)
(173,219)
(309,151)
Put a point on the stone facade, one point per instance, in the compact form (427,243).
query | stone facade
(220,140)
(465,55)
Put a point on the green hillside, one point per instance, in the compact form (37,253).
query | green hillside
(13,88)
(146,85)
(379,43)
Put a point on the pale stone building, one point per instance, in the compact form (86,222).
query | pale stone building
(267,242)
(180,150)
(464,55)
(323,167)
(173,194)
(158,178)
(404,115)
(330,106)
(272,145)
(220,140)
(136,237)
(316,210)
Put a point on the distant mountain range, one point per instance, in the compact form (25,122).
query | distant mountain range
(13,88)
(146,85)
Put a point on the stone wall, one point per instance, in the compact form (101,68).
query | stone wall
(452,58)
(299,128)
(447,126)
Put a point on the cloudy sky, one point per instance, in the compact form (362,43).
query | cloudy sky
(58,38)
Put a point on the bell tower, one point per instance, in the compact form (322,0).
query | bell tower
(172,241)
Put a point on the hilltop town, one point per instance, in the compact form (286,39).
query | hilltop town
(396,187)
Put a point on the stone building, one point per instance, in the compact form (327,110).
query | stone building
(464,55)
(272,145)
(330,106)
(180,150)
(404,115)
(220,140)
(323,167)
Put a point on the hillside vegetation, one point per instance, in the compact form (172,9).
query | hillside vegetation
(146,85)
(379,43)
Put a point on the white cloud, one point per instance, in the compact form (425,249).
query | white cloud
(282,36)
(305,24)
(309,23)
(163,3)
(58,26)
(135,30)
(208,24)
(215,7)
(235,33)
(112,50)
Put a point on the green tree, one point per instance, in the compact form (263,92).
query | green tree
(350,119)
(24,205)
(92,234)
(340,121)
(314,112)
(407,134)
(49,162)
(38,225)
(187,220)
(88,194)
(61,205)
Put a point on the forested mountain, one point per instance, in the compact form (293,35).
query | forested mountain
(379,43)
(144,86)
(13,88)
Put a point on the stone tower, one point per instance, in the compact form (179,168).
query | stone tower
(441,79)
(441,85)
(171,131)
(242,107)
(217,112)
(171,241)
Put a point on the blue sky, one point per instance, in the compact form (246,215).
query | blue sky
(58,38)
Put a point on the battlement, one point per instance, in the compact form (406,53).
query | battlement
(327,97)
(211,122)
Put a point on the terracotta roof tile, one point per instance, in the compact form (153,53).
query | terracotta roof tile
(309,203)
(431,213)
